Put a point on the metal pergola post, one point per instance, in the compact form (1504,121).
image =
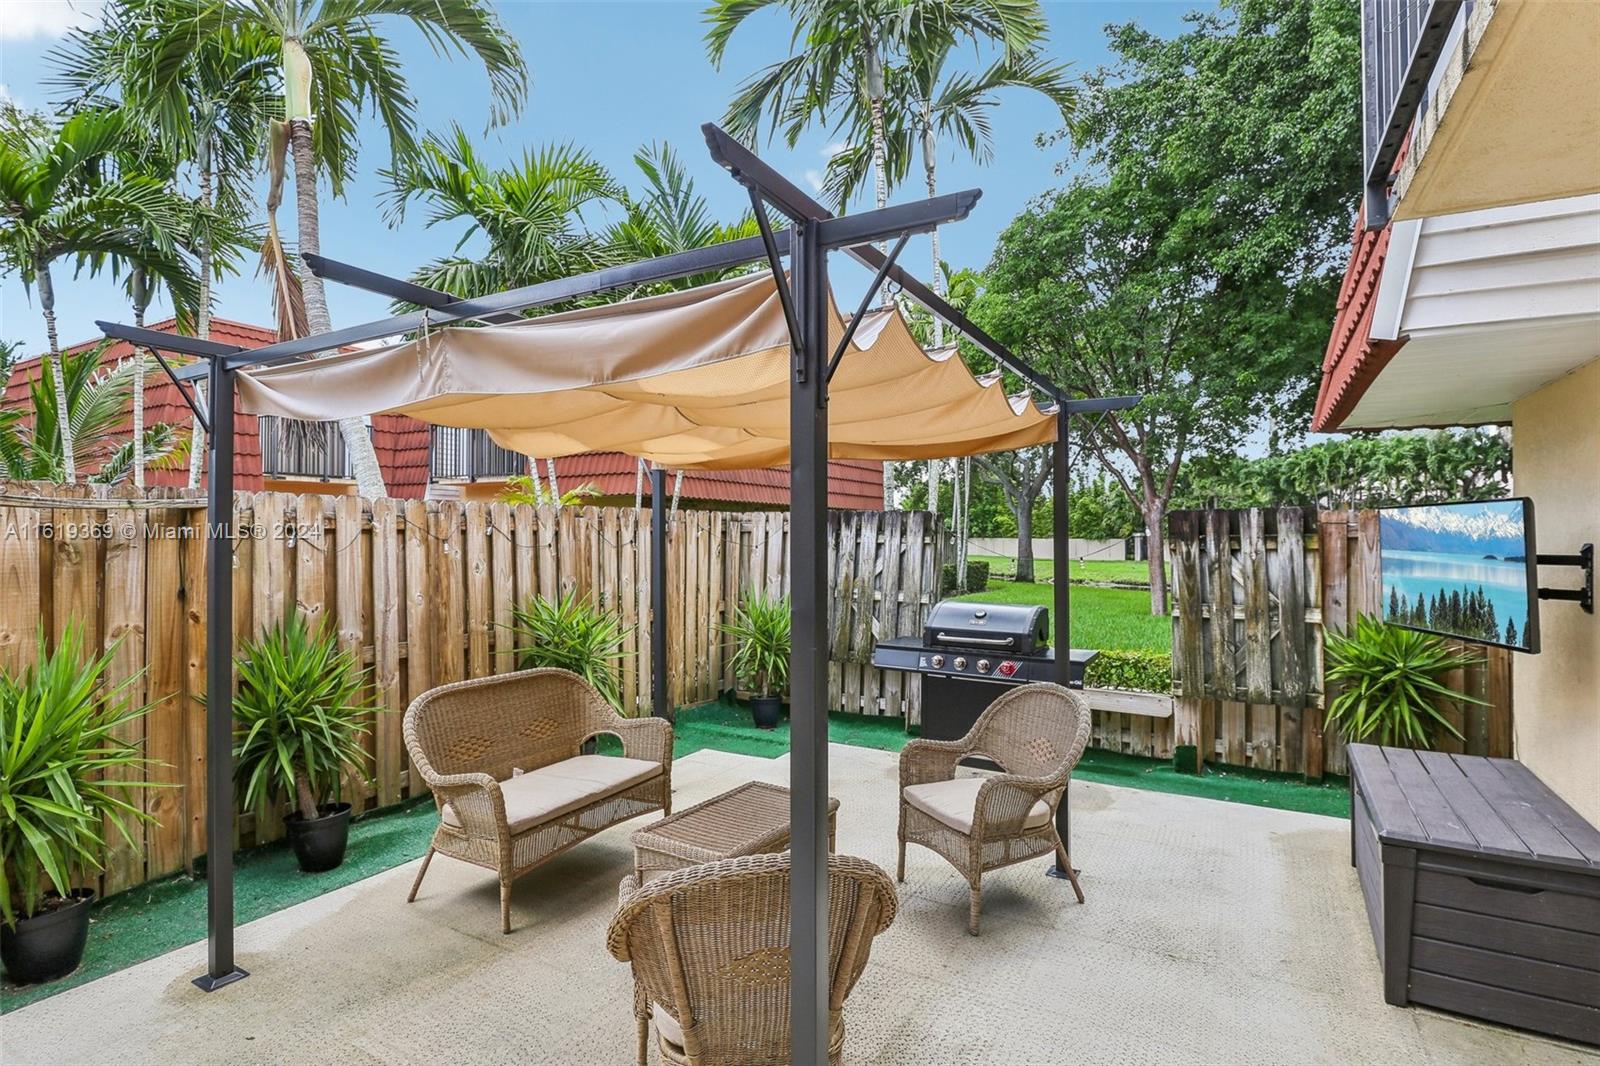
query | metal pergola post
(1062,595)
(220,967)
(660,705)
(808,669)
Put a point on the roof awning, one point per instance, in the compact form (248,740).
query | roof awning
(696,379)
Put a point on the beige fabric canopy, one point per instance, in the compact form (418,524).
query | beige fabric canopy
(697,379)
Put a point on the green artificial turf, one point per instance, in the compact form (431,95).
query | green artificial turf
(1102,618)
(156,918)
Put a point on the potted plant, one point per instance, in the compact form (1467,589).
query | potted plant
(573,634)
(298,722)
(1391,682)
(761,626)
(64,775)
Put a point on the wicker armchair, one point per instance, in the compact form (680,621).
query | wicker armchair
(1036,733)
(709,947)
(503,758)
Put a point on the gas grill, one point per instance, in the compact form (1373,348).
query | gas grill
(968,654)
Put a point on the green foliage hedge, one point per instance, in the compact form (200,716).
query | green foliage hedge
(1142,671)
(977,579)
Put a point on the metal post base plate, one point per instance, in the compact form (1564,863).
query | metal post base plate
(208,983)
(1054,870)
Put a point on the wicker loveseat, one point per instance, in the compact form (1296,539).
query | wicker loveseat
(503,756)
(1036,734)
(709,946)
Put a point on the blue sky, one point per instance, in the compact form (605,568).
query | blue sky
(610,77)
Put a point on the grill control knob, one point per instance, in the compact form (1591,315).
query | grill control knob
(1006,669)
(938,662)
(983,666)
(961,662)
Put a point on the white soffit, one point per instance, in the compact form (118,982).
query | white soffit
(1493,305)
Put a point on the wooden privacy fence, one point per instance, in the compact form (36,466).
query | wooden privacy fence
(423,592)
(1254,592)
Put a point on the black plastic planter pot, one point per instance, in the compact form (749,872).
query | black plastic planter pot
(766,710)
(319,843)
(48,945)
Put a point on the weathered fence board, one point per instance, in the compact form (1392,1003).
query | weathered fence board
(422,593)
(1255,592)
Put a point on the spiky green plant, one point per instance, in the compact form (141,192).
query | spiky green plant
(761,626)
(64,773)
(1392,683)
(573,634)
(298,718)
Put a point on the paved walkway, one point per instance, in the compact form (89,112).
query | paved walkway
(1213,933)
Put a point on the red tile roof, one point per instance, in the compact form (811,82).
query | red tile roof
(401,443)
(163,403)
(1353,358)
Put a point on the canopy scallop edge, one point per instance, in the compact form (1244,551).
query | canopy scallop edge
(694,379)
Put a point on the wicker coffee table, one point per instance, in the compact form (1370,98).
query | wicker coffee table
(752,819)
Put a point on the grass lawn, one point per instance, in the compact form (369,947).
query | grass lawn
(1123,570)
(1103,619)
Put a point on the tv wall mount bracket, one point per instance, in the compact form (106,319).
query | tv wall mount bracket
(1584,596)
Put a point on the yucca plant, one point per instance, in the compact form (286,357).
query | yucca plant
(761,626)
(298,718)
(64,773)
(1391,681)
(573,634)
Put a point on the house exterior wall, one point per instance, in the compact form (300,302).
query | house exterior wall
(1556,459)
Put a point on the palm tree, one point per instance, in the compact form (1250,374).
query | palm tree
(208,114)
(938,101)
(31,447)
(333,64)
(531,212)
(61,195)
(669,216)
(840,55)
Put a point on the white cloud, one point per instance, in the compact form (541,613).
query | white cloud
(24,20)
(817,178)
(814,179)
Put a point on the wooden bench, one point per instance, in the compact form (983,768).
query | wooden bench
(1482,888)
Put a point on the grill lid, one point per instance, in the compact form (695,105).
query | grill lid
(998,627)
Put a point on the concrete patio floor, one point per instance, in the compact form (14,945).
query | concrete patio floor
(1213,933)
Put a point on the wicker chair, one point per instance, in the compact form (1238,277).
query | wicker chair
(503,758)
(709,947)
(1036,733)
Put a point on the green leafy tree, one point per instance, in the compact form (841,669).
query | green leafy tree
(62,195)
(1194,258)
(1354,472)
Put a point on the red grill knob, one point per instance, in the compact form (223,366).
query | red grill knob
(1006,669)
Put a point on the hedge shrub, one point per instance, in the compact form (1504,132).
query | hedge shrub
(977,579)
(1141,671)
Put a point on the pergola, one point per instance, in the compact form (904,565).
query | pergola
(783,322)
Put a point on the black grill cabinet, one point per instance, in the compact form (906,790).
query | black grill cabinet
(1482,888)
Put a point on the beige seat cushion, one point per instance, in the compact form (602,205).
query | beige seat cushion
(545,794)
(667,1025)
(956,802)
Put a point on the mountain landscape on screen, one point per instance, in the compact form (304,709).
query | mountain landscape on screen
(1459,569)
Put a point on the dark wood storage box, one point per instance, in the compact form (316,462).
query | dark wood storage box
(1482,888)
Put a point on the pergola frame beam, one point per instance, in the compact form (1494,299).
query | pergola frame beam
(813,234)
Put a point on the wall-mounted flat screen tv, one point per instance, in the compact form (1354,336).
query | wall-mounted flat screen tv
(1465,570)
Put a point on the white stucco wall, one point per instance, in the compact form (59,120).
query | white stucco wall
(1556,694)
